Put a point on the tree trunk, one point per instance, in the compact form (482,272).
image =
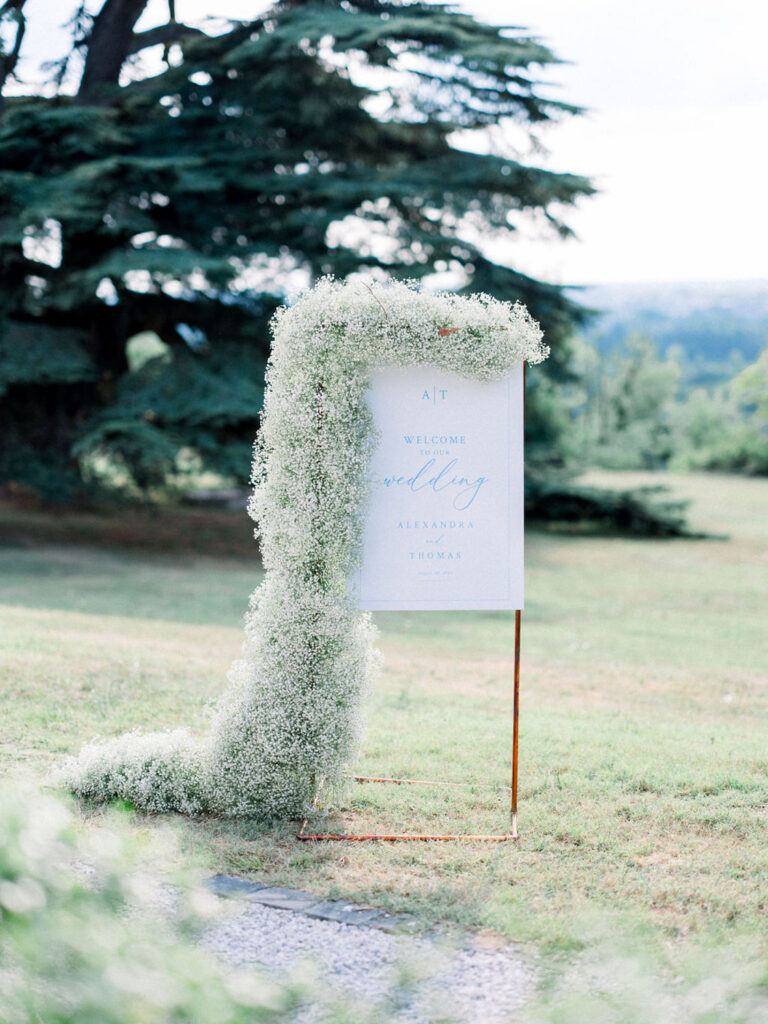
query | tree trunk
(11,11)
(109,43)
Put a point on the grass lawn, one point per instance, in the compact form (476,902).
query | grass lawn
(644,747)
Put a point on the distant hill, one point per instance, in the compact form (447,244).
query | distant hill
(717,327)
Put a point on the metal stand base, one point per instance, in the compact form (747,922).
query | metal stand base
(305,837)
(407,837)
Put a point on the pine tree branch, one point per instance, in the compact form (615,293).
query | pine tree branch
(162,34)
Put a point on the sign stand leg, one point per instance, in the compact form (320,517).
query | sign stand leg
(513,834)
(515,726)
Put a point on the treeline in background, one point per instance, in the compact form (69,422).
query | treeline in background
(672,377)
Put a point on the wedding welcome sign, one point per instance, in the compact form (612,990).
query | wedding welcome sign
(444,523)
(444,529)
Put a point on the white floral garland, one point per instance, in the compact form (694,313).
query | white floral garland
(291,716)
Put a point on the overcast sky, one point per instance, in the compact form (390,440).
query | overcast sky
(676,136)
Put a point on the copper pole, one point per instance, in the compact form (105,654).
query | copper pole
(417,782)
(516,712)
(515,726)
(399,837)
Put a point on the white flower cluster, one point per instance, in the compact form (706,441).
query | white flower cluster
(291,717)
(154,771)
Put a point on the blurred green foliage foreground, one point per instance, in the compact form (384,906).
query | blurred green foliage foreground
(82,940)
(183,205)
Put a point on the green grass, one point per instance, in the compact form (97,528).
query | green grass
(644,753)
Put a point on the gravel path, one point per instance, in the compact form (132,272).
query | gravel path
(362,964)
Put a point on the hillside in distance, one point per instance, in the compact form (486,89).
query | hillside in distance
(714,328)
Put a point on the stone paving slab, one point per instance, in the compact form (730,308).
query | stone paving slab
(300,902)
(344,912)
(229,885)
(285,899)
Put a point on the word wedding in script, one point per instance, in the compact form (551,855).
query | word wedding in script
(444,521)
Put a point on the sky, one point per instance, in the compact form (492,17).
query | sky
(675,135)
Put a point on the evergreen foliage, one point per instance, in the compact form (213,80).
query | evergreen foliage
(643,511)
(314,140)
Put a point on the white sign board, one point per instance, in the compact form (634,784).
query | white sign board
(444,523)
